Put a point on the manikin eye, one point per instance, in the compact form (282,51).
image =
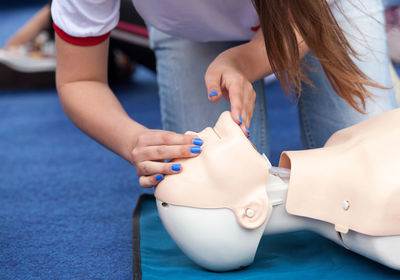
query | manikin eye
(164,204)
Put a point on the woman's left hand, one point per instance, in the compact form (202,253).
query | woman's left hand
(225,79)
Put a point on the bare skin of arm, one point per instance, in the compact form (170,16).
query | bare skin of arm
(31,29)
(233,71)
(89,102)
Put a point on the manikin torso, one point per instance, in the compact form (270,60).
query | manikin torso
(221,239)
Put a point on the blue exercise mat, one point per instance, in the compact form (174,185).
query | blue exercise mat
(299,255)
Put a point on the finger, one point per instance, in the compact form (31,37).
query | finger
(147,168)
(150,181)
(235,96)
(213,85)
(242,124)
(248,108)
(161,137)
(245,129)
(167,152)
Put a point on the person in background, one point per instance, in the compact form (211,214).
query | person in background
(28,59)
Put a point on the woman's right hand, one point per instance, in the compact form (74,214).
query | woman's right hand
(153,147)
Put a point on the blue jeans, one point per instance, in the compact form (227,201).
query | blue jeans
(389,3)
(181,65)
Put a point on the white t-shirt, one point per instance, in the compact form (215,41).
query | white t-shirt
(199,20)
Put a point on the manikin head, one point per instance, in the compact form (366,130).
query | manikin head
(217,207)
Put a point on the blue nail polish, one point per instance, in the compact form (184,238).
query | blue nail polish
(240,119)
(248,131)
(197,141)
(159,177)
(213,93)
(195,149)
(176,167)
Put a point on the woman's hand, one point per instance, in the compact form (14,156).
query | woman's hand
(230,75)
(153,147)
(224,78)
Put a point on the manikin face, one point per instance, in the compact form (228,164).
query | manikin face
(216,208)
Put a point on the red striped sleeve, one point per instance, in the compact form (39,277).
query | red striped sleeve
(80,41)
(133,28)
(255,28)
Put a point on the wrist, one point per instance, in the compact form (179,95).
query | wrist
(137,130)
(233,59)
(250,59)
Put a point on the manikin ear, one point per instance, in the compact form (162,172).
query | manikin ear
(255,212)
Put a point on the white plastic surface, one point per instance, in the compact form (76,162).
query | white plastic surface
(212,238)
(25,63)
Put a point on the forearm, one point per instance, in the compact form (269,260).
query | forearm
(32,28)
(251,58)
(82,85)
(87,99)
(92,107)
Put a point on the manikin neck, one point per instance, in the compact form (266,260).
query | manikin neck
(280,221)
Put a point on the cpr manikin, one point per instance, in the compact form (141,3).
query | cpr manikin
(222,203)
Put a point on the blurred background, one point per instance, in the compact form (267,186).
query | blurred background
(65,201)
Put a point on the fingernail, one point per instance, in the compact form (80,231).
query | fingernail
(176,167)
(197,141)
(248,131)
(213,93)
(159,177)
(195,149)
(240,119)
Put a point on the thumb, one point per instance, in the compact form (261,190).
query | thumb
(213,85)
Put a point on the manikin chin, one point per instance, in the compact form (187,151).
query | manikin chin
(222,203)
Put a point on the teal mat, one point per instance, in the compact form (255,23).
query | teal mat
(300,255)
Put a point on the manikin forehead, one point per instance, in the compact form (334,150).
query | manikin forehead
(228,173)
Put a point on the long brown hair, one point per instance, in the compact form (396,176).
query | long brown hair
(313,20)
